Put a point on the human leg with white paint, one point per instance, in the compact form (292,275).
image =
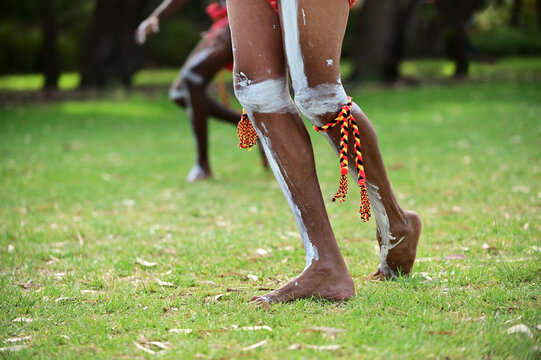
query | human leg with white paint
(312,45)
(261,87)
(315,73)
(189,91)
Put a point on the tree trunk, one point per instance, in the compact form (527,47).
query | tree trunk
(404,19)
(458,46)
(456,15)
(382,28)
(539,14)
(374,33)
(516,10)
(49,32)
(110,53)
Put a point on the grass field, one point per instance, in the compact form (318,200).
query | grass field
(105,250)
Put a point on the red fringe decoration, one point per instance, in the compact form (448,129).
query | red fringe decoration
(246,132)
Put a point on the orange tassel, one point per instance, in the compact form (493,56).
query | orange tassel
(246,132)
(342,187)
(364,210)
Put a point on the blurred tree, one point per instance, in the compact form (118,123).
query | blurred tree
(539,14)
(456,17)
(381,29)
(109,51)
(516,11)
(49,34)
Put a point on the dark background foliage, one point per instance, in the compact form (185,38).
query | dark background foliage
(95,37)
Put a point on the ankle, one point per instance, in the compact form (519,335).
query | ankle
(400,226)
(328,268)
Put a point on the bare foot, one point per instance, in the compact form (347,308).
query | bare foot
(401,252)
(199,173)
(324,281)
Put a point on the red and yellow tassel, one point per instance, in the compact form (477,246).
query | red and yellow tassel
(248,138)
(246,132)
(346,119)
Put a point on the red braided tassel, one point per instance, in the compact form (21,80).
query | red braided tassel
(246,132)
(345,118)
(364,210)
(342,187)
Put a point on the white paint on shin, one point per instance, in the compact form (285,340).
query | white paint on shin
(266,97)
(309,248)
(188,101)
(384,228)
(183,93)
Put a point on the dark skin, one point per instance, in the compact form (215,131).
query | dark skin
(288,145)
(189,89)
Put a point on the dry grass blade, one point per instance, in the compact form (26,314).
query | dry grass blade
(26,285)
(255,346)
(251,328)
(520,329)
(13,348)
(16,339)
(314,347)
(145,263)
(63,298)
(141,347)
(22,319)
(159,344)
(327,331)
(164,283)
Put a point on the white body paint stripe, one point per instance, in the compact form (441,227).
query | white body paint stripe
(309,248)
(295,60)
(384,228)
(312,102)
(193,77)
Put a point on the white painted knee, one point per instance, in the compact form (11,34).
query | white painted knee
(267,97)
(321,100)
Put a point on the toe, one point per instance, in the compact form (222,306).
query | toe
(376,276)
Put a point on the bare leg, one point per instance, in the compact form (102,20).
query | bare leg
(215,109)
(189,91)
(398,231)
(313,55)
(315,72)
(261,86)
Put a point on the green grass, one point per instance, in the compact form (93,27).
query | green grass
(67,81)
(509,68)
(86,188)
